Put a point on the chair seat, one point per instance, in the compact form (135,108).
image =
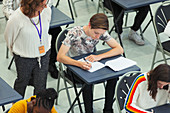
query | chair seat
(166,45)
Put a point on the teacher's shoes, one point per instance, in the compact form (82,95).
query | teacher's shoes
(52,69)
(134,36)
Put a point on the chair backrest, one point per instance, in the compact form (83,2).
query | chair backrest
(123,87)
(161,17)
(61,37)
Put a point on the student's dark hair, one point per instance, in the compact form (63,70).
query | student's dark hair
(30,6)
(99,21)
(46,98)
(161,73)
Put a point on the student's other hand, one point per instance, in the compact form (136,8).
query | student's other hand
(151,111)
(93,58)
(84,65)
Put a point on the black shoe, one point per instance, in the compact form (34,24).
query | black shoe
(53,71)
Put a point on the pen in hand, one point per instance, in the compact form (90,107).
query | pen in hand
(86,60)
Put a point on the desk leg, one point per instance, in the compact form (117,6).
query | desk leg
(7,50)
(9,67)
(77,95)
(151,20)
(57,3)
(69,4)
(3,108)
(120,40)
(77,98)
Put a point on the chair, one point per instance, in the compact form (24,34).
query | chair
(123,87)
(62,73)
(161,18)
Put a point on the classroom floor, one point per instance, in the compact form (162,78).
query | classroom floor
(85,9)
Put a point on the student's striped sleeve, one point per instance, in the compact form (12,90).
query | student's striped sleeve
(133,92)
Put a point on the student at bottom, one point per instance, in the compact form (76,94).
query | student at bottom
(41,103)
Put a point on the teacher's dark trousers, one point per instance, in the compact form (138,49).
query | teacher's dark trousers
(28,68)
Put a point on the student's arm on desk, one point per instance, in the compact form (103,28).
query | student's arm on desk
(61,57)
(116,50)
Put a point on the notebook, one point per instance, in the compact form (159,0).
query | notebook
(115,64)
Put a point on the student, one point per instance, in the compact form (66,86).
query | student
(82,40)
(167,29)
(139,18)
(9,6)
(27,37)
(43,102)
(149,90)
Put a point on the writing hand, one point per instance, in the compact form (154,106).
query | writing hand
(84,65)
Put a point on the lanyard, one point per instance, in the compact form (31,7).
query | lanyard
(39,32)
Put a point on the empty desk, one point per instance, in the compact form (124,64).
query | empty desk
(7,94)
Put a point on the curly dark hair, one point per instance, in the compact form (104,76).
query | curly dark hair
(46,98)
(161,73)
(99,21)
(29,6)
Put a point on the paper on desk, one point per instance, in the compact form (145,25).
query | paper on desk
(95,65)
(120,63)
(115,64)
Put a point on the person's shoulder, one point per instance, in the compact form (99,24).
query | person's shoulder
(15,14)
(47,12)
(75,30)
(48,9)
(140,79)
(18,107)
(105,36)
(15,18)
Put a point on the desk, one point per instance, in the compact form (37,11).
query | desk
(162,109)
(7,94)
(58,18)
(98,76)
(132,4)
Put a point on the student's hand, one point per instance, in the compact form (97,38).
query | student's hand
(93,58)
(84,65)
(151,111)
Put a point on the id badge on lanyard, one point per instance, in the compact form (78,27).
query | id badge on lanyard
(41,47)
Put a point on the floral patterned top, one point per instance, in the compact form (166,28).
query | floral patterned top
(80,43)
